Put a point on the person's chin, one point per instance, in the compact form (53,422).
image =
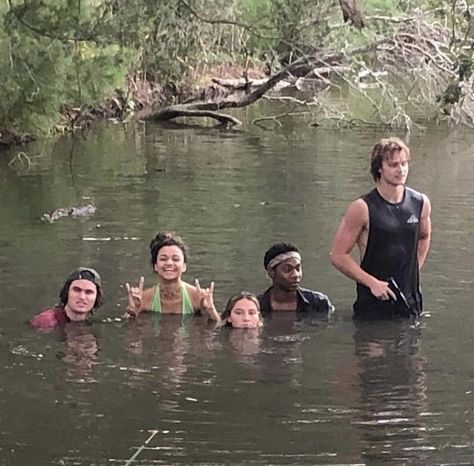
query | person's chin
(293,286)
(79,315)
(170,276)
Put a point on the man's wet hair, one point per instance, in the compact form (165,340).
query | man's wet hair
(82,273)
(276,250)
(166,239)
(384,150)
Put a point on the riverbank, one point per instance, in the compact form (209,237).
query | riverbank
(140,97)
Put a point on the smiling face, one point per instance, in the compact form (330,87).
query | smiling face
(394,169)
(170,263)
(244,314)
(80,299)
(287,275)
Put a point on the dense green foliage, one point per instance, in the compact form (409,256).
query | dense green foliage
(57,54)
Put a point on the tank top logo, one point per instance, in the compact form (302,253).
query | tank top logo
(413,219)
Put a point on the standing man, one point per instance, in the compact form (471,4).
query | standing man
(391,227)
(79,296)
(282,262)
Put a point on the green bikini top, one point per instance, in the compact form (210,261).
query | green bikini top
(186,306)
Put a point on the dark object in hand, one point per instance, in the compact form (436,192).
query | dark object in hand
(401,298)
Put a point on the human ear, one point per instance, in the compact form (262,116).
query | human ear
(184,267)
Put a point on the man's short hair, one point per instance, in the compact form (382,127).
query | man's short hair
(384,150)
(276,250)
(82,273)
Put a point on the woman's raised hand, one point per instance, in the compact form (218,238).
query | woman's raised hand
(206,300)
(135,296)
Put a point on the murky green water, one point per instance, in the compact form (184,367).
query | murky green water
(300,392)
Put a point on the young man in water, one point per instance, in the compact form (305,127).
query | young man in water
(283,265)
(391,227)
(79,296)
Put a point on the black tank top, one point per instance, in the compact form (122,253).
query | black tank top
(392,247)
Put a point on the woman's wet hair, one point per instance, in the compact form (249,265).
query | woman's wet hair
(276,250)
(166,239)
(233,300)
(82,273)
(384,150)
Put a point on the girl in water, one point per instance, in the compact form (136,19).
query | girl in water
(170,295)
(242,311)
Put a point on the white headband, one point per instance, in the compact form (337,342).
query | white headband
(283,257)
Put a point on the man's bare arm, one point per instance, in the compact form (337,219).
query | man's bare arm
(425,232)
(355,220)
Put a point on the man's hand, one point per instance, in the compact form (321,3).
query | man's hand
(381,290)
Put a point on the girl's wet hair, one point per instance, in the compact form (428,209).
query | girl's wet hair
(166,239)
(233,300)
(384,150)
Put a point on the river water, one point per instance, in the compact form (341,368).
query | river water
(302,391)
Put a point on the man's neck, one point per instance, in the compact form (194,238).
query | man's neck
(283,300)
(391,193)
(75,316)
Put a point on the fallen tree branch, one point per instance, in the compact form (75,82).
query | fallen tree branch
(204,109)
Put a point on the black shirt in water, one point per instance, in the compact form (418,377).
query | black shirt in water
(392,252)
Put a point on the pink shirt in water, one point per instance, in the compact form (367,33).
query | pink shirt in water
(50,317)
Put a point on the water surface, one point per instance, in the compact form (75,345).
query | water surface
(302,391)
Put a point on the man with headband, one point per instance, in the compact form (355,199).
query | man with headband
(283,265)
(79,296)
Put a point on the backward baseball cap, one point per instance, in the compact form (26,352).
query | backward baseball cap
(86,273)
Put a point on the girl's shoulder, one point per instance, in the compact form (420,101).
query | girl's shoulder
(147,297)
(193,294)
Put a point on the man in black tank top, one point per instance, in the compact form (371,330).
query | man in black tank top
(391,227)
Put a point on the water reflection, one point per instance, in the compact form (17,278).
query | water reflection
(393,393)
(79,352)
(277,398)
(245,343)
(168,343)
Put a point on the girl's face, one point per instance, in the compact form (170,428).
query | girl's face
(170,263)
(244,314)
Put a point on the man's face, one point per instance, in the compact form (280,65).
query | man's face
(287,275)
(394,170)
(80,299)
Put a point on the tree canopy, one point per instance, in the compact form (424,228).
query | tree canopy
(393,62)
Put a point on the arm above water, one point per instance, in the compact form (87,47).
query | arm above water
(139,300)
(425,232)
(354,223)
(204,298)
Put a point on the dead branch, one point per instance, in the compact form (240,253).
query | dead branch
(204,109)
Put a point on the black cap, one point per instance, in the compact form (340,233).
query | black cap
(85,273)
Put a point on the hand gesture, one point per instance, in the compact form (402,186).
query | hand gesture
(206,296)
(206,301)
(135,296)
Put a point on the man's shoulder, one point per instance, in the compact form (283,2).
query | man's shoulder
(264,300)
(413,193)
(49,317)
(315,300)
